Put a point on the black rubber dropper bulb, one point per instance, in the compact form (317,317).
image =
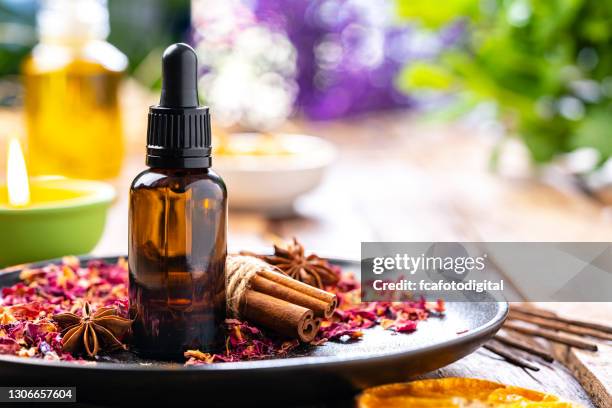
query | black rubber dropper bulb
(178,134)
(179,77)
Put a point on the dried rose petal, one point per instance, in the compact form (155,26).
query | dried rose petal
(9,346)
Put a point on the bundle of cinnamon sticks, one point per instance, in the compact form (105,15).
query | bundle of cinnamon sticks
(264,296)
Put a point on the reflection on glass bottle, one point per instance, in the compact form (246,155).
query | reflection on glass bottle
(72,81)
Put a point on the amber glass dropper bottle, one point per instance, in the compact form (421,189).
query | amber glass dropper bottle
(177,223)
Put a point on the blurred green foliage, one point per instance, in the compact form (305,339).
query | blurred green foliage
(141,29)
(546,64)
(17,33)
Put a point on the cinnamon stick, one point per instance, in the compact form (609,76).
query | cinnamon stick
(551,316)
(509,357)
(552,336)
(283,317)
(528,348)
(276,284)
(556,325)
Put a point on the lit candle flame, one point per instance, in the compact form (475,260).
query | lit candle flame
(17,176)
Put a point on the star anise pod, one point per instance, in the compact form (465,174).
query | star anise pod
(291,261)
(92,331)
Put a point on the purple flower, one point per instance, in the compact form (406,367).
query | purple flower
(348,54)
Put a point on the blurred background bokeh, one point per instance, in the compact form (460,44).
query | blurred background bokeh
(140,29)
(368,119)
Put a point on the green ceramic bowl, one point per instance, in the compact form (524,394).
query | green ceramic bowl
(66,217)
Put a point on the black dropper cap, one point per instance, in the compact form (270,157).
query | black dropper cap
(178,133)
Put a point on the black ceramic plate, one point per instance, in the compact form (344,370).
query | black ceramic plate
(330,371)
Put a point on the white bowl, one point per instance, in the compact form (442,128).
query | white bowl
(271,183)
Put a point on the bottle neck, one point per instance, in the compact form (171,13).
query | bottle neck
(176,163)
(182,170)
(73,23)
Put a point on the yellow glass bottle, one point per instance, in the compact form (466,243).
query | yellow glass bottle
(72,81)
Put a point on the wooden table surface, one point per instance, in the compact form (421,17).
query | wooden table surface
(398,179)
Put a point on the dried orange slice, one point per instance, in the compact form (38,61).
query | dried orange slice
(457,392)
